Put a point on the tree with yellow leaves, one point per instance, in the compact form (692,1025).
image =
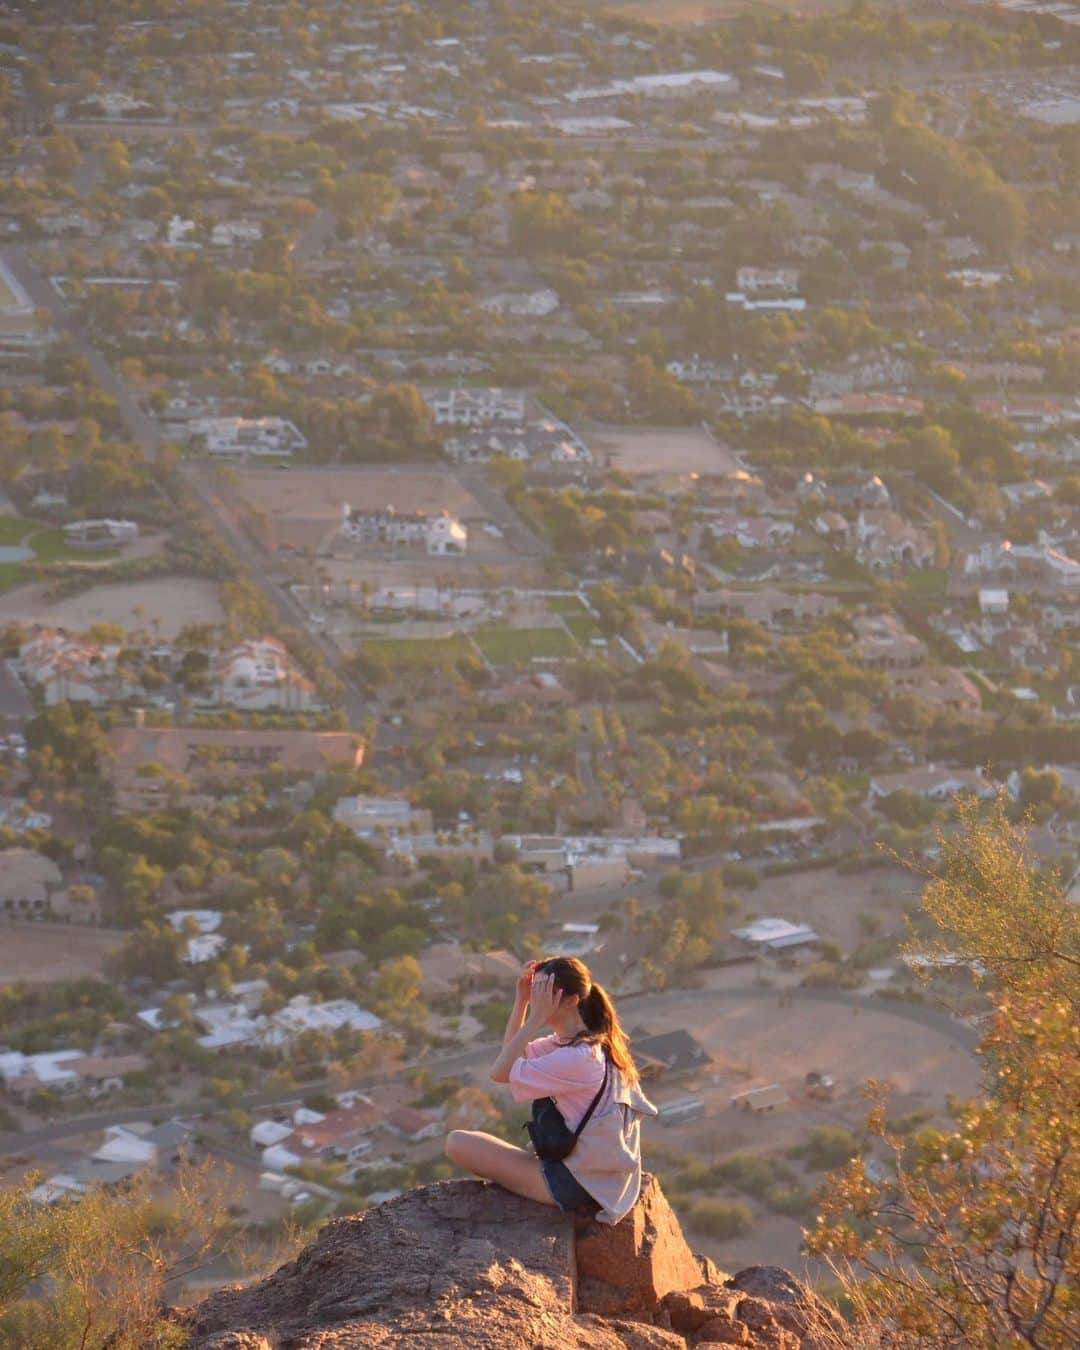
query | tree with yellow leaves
(972,1236)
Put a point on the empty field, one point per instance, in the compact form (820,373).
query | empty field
(639,451)
(39,953)
(164,604)
(304,505)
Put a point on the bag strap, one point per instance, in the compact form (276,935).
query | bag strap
(596,1100)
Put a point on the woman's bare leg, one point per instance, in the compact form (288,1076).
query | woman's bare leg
(486,1156)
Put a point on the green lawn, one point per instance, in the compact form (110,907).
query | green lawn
(927,583)
(584,627)
(47,541)
(421,653)
(515,646)
(565,604)
(13,530)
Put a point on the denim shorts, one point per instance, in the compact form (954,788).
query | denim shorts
(567,1192)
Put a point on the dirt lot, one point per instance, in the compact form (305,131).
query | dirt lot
(42,952)
(304,505)
(831,902)
(662,450)
(172,602)
(756,1041)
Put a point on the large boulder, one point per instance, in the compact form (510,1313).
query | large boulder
(629,1268)
(465,1263)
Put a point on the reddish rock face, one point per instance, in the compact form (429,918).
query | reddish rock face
(466,1264)
(629,1268)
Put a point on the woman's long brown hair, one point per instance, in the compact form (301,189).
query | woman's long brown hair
(602,1025)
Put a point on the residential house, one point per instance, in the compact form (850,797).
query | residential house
(882,370)
(440,535)
(261,437)
(885,539)
(70,669)
(369,816)
(101,533)
(28,883)
(993,602)
(749,531)
(946,689)
(768,606)
(344,1134)
(934,783)
(751,280)
(260,675)
(672,1052)
(471,407)
(867,404)
(207,756)
(883,643)
(230,233)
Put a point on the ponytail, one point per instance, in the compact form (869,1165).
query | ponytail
(603,1027)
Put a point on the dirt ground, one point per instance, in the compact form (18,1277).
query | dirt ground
(756,1041)
(40,953)
(172,602)
(304,505)
(662,450)
(831,901)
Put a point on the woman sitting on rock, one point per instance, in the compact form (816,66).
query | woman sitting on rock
(585,1066)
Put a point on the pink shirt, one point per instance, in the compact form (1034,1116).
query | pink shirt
(569,1073)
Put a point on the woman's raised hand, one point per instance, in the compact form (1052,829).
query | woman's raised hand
(525,980)
(544,998)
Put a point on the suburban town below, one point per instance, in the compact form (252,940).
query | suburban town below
(482,479)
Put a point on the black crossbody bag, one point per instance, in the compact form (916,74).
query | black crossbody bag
(552,1139)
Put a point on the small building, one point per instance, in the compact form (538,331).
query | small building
(260,437)
(761,1099)
(671,1052)
(681,1111)
(776,935)
(370,816)
(28,881)
(931,782)
(593,871)
(993,601)
(101,533)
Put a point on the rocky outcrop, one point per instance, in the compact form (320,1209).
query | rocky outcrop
(464,1263)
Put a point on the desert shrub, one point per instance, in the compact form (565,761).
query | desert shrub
(721,1218)
(829,1146)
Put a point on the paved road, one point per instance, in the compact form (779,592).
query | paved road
(516,533)
(144,430)
(57,1130)
(476,1060)
(285,604)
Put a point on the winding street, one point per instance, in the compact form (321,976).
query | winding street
(476,1059)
